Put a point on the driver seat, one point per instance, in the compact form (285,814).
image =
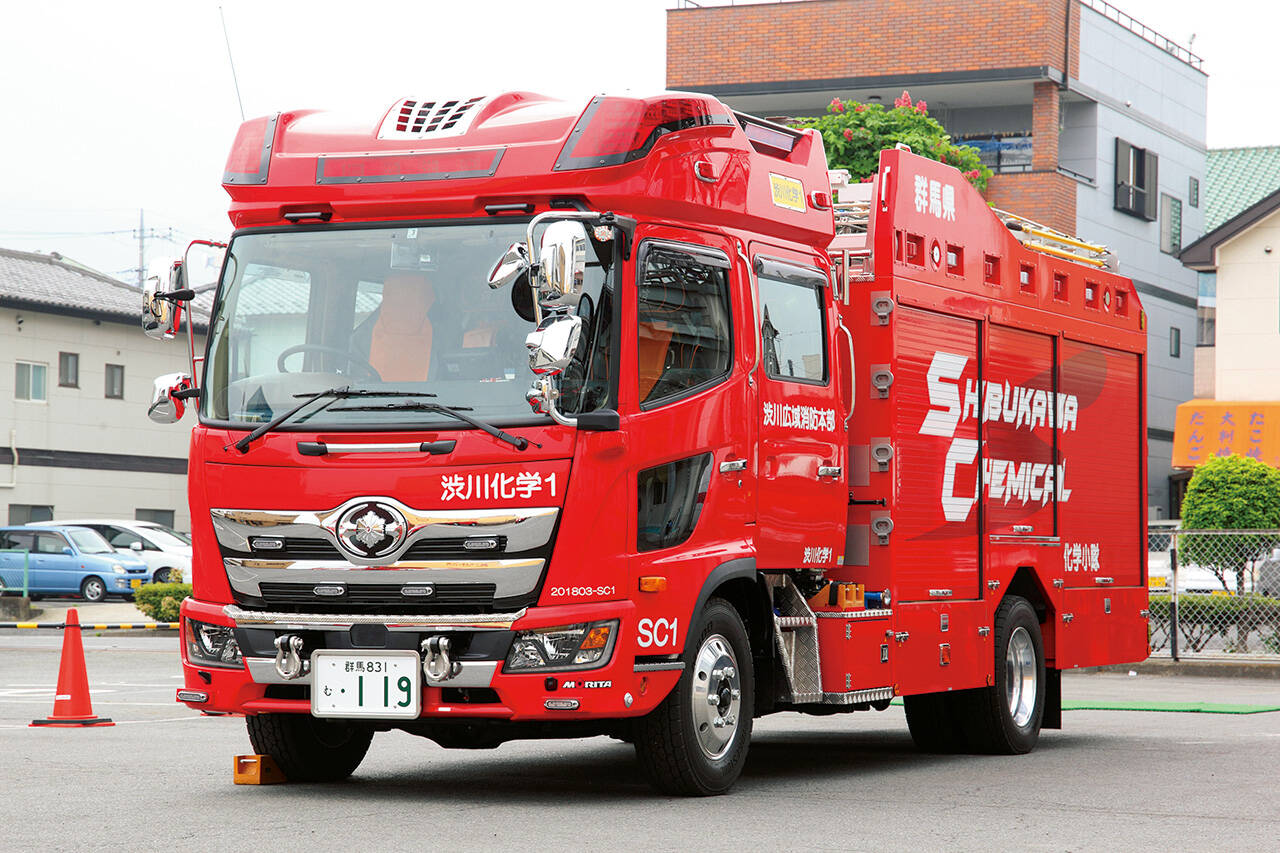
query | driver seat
(400,343)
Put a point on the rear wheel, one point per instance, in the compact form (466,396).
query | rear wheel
(93,589)
(309,749)
(695,742)
(1005,718)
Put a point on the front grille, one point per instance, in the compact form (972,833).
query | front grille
(299,548)
(378,598)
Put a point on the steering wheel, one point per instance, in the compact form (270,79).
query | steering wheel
(357,364)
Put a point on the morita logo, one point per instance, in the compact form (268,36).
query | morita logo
(1019,406)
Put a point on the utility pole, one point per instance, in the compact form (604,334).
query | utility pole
(142,251)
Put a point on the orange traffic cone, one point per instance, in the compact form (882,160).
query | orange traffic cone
(71,705)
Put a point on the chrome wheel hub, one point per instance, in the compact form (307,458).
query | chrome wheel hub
(1020,676)
(717,696)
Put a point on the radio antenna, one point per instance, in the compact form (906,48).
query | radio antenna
(231,61)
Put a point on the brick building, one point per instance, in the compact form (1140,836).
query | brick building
(1093,123)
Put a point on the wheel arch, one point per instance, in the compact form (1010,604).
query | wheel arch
(739,583)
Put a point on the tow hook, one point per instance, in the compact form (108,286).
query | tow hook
(289,661)
(436,664)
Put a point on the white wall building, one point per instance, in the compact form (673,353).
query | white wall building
(76,377)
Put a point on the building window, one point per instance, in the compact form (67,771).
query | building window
(69,369)
(29,382)
(115,381)
(27,513)
(1193,192)
(155,516)
(1136,180)
(1175,342)
(1170,224)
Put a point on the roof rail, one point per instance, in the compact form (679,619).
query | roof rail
(1048,241)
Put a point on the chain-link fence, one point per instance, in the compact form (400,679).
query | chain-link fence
(1214,592)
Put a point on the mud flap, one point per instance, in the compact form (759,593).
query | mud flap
(1052,718)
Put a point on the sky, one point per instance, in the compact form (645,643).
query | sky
(113,108)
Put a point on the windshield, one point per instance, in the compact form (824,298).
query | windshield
(164,537)
(88,541)
(403,309)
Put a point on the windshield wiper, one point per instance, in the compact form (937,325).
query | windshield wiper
(331,396)
(516,441)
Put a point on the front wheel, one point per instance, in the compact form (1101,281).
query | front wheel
(309,749)
(695,742)
(162,576)
(93,589)
(1005,718)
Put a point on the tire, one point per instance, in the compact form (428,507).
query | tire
(936,722)
(1004,719)
(92,589)
(680,748)
(162,576)
(309,749)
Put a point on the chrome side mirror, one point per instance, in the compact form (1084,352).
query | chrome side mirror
(167,403)
(553,343)
(510,267)
(562,264)
(160,315)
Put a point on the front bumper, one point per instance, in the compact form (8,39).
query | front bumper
(621,688)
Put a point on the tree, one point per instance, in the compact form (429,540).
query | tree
(854,134)
(1230,493)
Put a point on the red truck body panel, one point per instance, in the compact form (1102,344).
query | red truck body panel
(1006,385)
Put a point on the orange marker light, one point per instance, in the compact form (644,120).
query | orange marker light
(654,583)
(597,638)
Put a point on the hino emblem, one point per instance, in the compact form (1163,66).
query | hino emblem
(370,529)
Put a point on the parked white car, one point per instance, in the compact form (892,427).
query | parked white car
(161,548)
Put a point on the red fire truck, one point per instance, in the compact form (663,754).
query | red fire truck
(520,418)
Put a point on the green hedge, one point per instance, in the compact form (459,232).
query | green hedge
(161,601)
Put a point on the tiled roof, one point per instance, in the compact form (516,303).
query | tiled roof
(52,281)
(1236,179)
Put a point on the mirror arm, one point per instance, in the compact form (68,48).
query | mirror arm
(185,393)
(178,295)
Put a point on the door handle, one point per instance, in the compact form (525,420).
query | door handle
(829,470)
(731,465)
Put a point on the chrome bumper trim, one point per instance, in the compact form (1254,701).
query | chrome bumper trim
(477,673)
(339,621)
(509,577)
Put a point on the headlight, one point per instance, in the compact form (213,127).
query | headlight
(212,645)
(583,646)
(117,568)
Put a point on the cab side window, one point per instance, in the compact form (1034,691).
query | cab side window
(793,323)
(49,543)
(685,335)
(120,538)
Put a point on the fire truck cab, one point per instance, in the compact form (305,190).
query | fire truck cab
(522,418)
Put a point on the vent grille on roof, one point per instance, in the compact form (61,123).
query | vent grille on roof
(415,118)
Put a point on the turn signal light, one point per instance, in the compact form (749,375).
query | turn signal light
(653,584)
(597,637)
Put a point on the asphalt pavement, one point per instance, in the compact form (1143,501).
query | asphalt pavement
(1119,780)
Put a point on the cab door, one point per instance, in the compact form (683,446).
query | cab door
(802,494)
(688,421)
